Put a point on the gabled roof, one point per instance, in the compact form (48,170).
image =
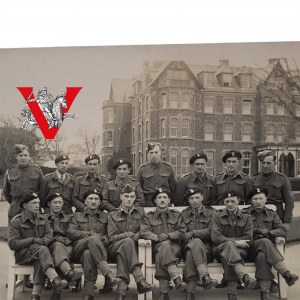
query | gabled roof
(121,89)
(225,69)
(203,69)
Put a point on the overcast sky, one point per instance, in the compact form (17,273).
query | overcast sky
(94,67)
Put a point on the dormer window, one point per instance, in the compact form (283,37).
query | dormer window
(208,79)
(226,80)
(245,81)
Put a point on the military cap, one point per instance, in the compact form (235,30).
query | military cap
(189,193)
(160,191)
(197,156)
(91,157)
(90,192)
(27,198)
(127,189)
(231,153)
(60,158)
(120,162)
(53,196)
(152,145)
(230,194)
(263,154)
(257,191)
(20,148)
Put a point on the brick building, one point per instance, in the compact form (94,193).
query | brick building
(190,108)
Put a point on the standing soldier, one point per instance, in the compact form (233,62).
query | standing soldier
(29,236)
(231,233)
(59,182)
(266,227)
(277,185)
(122,168)
(198,180)
(61,247)
(124,232)
(88,231)
(198,245)
(156,174)
(91,180)
(163,228)
(22,179)
(232,179)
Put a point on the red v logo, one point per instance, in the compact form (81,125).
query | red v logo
(49,133)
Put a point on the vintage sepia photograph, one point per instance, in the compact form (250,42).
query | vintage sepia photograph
(150,172)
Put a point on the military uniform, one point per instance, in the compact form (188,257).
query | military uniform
(20,181)
(205,184)
(224,231)
(153,176)
(87,182)
(114,187)
(23,229)
(167,252)
(279,192)
(240,183)
(54,184)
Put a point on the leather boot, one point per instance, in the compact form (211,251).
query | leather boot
(77,286)
(143,286)
(58,283)
(264,295)
(290,278)
(207,282)
(28,282)
(111,280)
(120,297)
(248,281)
(73,275)
(222,284)
(189,296)
(179,284)
(231,296)
(163,296)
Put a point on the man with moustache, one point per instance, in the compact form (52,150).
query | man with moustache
(91,180)
(163,228)
(88,231)
(124,233)
(59,182)
(155,174)
(198,179)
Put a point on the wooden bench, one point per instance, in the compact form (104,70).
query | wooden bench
(15,269)
(215,267)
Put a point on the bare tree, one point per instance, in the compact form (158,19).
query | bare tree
(90,141)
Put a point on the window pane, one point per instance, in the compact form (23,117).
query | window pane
(173,127)
(208,79)
(185,127)
(173,158)
(247,107)
(270,108)
(173,100)
(163,128)
(163,101)
(210,162)
(186,99)
(228,106)
(208,105)
(246,167)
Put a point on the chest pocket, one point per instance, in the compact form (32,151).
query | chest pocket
(41,227)
(54,185)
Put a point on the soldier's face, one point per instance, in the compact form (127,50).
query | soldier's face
(268,164)
(62,166)
(199,165)
(122,171)
(92,166)
(128,199)
(195,200)
(232,164)
(259,200)
(32,206)
(231,203)
(154,155)
(92,201)
(56,205)
(162,200)
(23,158)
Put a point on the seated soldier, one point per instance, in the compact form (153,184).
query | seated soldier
(162,227)
(29,235)
(266,227)
(123,231)
(231,233)
(88,231)
(198,250)
(61,248)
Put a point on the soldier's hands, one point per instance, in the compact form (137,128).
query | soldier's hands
(188,236)
(261,231)
(136,236)
(60,239)
(33,247)
(129,234)
(39,241)
(258,237)
(242,244)
(163,237)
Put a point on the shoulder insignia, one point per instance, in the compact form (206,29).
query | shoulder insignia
(166,163)
(133,179)
(15,217)
(111,179)
(11,167)
(143,165)
(185,175)
(48,175)
(255,174)
(36,166)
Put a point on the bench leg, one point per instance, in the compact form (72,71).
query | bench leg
(149,275)
(11,284)
(282,287)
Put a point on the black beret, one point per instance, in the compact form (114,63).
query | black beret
(263,154)
(231,153)
(198,156)
(60,158)
(189,193)
(229,194)
(91,157)
(89,192)
(120,162)
(160,191)
(20,148)
(152,145)
(53,196)
(27,198)
(257,191)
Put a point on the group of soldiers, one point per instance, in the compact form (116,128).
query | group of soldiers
(91,220)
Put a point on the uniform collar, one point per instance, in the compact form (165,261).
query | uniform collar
(87,212)
(201,210)
(60,176)
(238,213)
(118,182)
(122,210)
(96,175)
(28,216)
(238,174)
(194,174)
(252,209)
